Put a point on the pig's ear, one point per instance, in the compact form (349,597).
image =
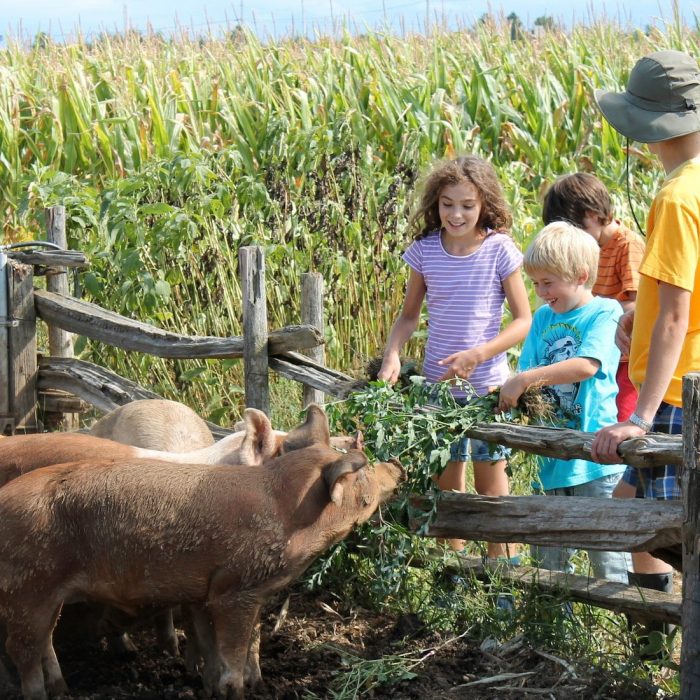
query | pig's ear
(314,430)
(359,442)
(348,442)
(259,442)
(336,473)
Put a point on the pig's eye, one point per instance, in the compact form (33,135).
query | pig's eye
(342,450)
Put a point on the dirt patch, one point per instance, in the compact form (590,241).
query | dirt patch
(319,641)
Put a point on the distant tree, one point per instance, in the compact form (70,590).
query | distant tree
(547,23)
(41,40)
(516,27)
(238,35)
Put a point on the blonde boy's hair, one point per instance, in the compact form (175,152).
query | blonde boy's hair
(564,250)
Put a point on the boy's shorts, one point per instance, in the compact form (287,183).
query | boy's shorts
(661,483)
(480,451)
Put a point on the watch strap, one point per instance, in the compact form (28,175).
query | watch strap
(645,425)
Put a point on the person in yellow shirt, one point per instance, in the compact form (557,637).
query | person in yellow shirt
(661,108)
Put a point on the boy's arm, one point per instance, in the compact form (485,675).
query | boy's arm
(575,369)
(667,338)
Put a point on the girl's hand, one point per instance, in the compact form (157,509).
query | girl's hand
(390,369)
(460,364)
(511,391)
(623,334)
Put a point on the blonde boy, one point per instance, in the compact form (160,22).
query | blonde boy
(570,350)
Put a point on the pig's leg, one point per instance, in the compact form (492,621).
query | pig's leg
(165,632)
(234,617)
(52,671)
(6,677)
(28,643)
(203,647)
(201,644)
(193,653)
(253,676)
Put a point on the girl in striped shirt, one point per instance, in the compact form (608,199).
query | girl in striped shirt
(465,265)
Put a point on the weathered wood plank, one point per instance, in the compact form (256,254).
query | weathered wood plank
(54,401)
(5,322)
(22,346)
(49,259)
(302,369)
(630,525)
(94,322)
(98,386)
(312,314)
(642,603)
(60,341)
(255,335)
(651,450)
(690,481)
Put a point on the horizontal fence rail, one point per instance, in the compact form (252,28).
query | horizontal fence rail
(97,323)
(629,525)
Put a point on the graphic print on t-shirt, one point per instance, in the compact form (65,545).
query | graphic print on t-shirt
(562,342)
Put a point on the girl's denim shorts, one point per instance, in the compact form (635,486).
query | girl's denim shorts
(480,451)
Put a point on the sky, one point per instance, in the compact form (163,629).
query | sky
(274,18)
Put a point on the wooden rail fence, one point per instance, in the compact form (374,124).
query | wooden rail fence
(623,525)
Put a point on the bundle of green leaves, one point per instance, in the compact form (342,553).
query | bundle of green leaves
(416,423)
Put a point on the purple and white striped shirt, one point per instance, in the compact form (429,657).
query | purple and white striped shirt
(465,302)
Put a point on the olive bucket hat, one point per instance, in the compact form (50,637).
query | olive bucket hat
(662,99)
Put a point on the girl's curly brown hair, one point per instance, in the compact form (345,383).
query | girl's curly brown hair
(495,213)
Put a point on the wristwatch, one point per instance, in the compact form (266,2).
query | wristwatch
(645,425)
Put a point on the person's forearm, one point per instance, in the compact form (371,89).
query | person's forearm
(511,335)
(664,351)
(576,369)
(400,334)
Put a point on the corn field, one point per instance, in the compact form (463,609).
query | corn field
(170,154)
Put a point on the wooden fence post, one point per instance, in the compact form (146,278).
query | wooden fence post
(690,482)
(22,346)
(60,341)
(255,342)
(5,418)
(312,313)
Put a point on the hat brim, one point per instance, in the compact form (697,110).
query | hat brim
(641,124)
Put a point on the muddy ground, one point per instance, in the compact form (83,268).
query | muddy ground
(315,644)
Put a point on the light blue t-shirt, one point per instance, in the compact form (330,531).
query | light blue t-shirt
(588,331)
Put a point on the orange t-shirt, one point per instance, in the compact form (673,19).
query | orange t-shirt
(618,267)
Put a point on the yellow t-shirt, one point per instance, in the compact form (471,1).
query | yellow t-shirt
(672,255)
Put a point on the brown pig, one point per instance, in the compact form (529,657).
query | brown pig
(147,533)
(154,424)
(23,453)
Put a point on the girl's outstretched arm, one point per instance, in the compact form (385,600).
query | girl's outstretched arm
(403,327)
(462,364)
